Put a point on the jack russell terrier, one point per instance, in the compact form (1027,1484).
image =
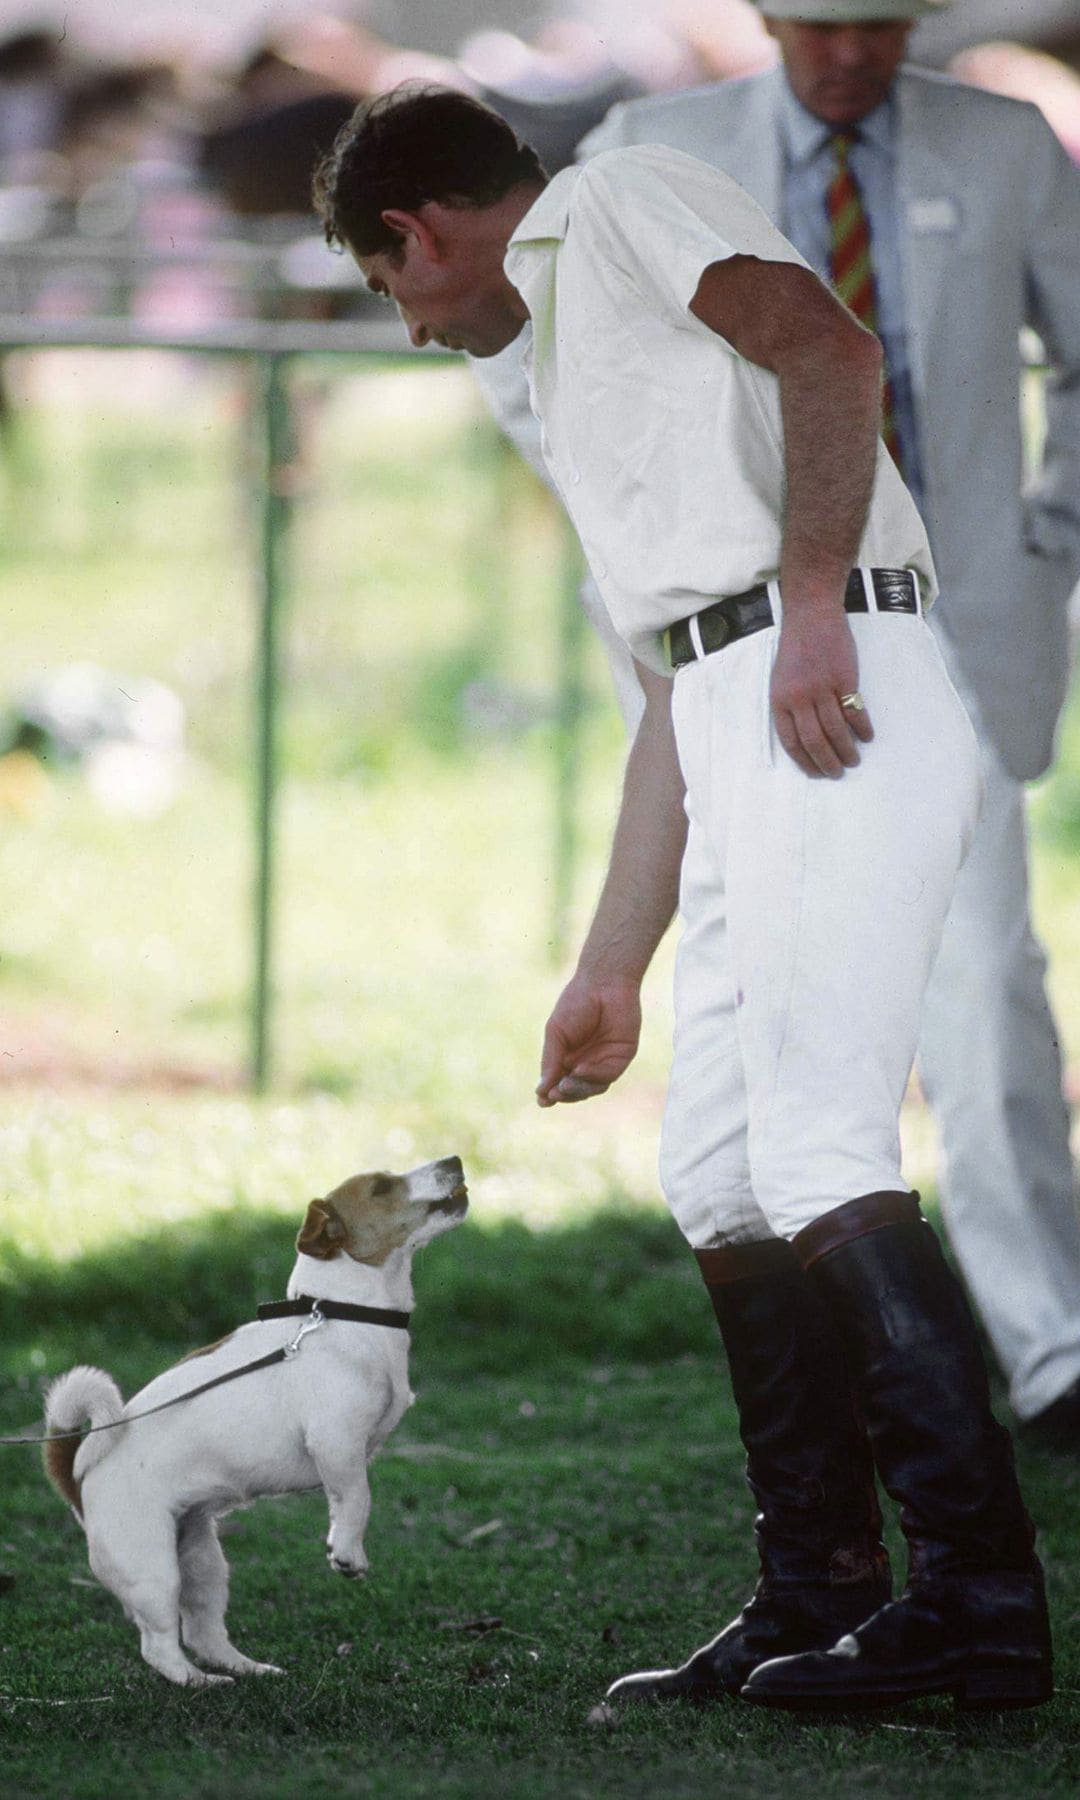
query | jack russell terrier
(329,1386)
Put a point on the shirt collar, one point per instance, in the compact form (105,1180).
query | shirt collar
(805,135)
(549,213)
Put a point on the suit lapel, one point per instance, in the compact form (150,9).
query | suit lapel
(930,224)
(747,144)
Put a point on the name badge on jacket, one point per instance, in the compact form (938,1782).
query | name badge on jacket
(933,217)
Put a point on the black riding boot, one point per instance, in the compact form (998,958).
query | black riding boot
(823,1566)
(972,1621)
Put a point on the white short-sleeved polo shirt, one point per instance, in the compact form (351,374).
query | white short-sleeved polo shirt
(665,444)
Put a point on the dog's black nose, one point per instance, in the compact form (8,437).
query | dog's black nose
(451,1165)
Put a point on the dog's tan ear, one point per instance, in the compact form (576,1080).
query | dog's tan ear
(323,1232)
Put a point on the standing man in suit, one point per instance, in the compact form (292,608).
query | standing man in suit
(962,220)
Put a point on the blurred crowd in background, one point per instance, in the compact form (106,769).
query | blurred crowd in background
(167,131)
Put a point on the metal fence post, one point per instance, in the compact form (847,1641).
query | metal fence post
(274,522)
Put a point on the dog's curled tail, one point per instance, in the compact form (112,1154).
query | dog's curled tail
(83,1394)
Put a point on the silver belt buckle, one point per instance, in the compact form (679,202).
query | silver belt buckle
(895,590)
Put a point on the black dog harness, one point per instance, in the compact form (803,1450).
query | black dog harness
(334,1309)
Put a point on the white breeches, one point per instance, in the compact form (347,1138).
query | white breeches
(812,911)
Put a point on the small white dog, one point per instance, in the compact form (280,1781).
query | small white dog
(149,1493)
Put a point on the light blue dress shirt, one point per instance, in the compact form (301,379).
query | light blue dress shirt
(809,166)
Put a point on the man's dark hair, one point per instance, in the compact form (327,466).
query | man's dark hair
(410,146)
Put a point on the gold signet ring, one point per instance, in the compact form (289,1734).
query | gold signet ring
(854,701)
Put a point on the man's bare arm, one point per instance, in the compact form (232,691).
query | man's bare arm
(829,368)
(593,1033)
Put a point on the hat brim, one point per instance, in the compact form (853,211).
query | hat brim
(849,12)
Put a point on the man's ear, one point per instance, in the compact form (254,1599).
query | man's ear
(323,1232)
(414,226)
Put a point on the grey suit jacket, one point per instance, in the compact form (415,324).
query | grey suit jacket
(990,241)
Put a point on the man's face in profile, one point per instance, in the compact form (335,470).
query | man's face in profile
(443,294)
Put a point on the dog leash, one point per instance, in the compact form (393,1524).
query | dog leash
(314,1312)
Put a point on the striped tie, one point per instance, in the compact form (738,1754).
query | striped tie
(851,267)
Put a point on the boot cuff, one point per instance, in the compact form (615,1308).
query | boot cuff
(855,1219)
(744,1262)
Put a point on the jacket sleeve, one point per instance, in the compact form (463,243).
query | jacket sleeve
(1053,311)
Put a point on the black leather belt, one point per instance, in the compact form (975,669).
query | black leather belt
(895,591)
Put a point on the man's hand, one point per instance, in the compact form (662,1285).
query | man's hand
(816,665)
(591,1037)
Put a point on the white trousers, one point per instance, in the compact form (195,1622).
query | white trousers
(991,1068)
(812,911)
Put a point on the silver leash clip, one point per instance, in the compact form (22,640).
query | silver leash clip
(314,1319)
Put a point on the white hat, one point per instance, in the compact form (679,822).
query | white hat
(848,12)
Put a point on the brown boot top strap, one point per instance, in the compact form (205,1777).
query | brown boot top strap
(742,1262)
(843,1224)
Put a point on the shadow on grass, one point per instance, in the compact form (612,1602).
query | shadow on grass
(620,1286)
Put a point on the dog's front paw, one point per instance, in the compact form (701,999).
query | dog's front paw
(246,1665)
(352,1566)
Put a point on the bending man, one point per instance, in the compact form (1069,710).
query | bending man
(805,781)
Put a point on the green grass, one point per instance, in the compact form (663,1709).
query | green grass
(571,1468)
(564,1502)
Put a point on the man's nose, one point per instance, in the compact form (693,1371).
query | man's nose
(848,47)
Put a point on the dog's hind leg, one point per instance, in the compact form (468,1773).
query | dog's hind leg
(204,1594)
(135,1557)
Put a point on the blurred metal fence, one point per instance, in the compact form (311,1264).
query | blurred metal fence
(274,344)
